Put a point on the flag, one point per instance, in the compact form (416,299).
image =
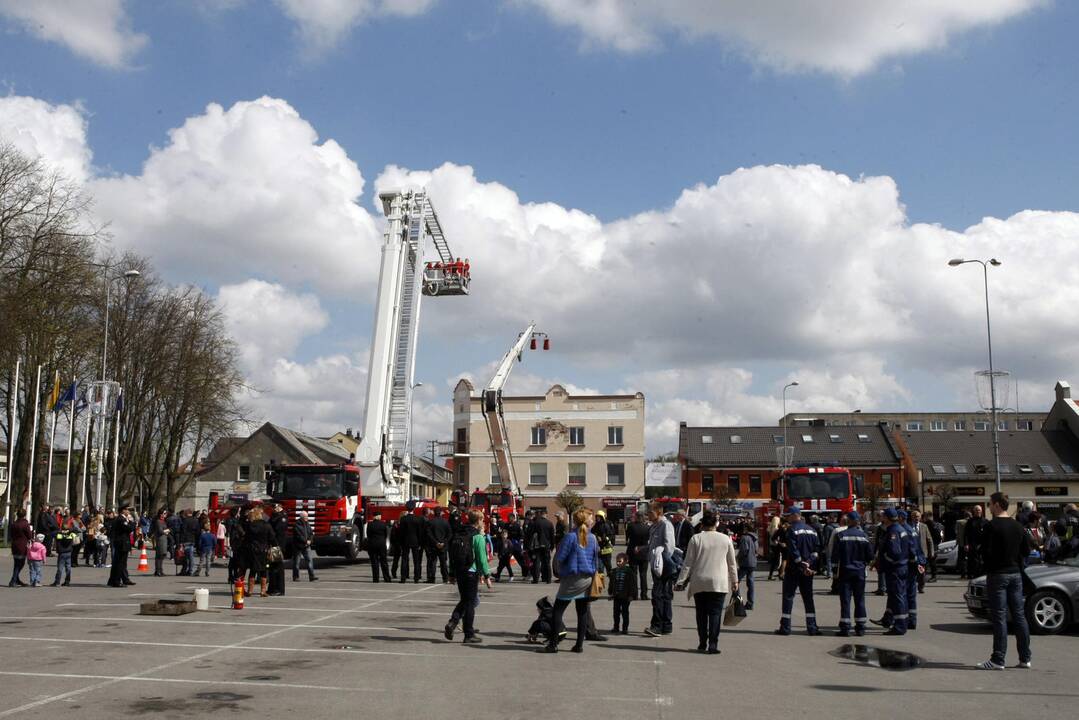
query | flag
(54,396)
(119,402)
(83,401)
(68,396)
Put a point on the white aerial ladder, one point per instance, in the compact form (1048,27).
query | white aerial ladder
(492,407)
(384,456)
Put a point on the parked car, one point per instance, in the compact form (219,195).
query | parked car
(948,556)
(1052,597)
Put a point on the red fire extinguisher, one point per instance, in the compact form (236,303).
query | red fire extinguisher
(238,594)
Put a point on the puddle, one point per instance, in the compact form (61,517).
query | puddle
(263,678)
(227,697)
(878,657)
(341,647)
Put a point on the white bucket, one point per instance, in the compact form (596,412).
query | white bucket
(202,599)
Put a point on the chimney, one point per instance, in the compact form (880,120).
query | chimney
(1064,390)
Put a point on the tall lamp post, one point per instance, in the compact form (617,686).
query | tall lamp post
(411,440)
(127,275)
(955,262)
(793,383)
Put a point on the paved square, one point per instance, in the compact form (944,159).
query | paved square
(346,645)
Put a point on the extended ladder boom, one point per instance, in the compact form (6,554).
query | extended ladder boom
(384,457)
(492,408)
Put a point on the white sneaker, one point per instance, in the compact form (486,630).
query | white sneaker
(989,665)
(1023,665)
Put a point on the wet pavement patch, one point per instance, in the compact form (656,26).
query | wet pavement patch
(882,658)
(226,697)
(263,678)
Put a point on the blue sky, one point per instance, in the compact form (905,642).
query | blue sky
(542,102)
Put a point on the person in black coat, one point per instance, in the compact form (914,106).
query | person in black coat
(637,551)
(302,538)
(189,538)
(279,524)
(162,540)
(377,536)
(21,537)
(47,526)
(539,539)
(411,530)
(683,531)
(258,538)
(120,538)
(438,544)
(395,546)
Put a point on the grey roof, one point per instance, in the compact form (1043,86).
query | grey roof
(1054,448)
(758,446)
(311,448)
(222,449)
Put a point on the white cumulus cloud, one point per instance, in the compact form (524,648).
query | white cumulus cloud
(324,23)
(98,30)
(55,134)
(846,37)
(246,191)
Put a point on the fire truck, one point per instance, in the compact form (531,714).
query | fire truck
(815,489)
(338,498)
(506,500)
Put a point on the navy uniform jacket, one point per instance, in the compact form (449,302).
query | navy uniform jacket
(893,552)
(802,544)
(852,550)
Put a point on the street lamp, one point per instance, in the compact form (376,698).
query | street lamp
(793,383)
(411,440)
(956,262)
(127,275)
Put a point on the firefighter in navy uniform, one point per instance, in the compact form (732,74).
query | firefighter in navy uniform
(851,555)
(893,558)
(915,566)
(803,546)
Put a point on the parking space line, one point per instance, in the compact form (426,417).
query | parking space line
(84,618)
(261,648)
(140,678)
(292,608)
(449,599)
(180,661)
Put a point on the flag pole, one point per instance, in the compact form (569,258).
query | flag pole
(11,440)
(70,449)
(85,459)
(48,478)
(33,447)
(116,445)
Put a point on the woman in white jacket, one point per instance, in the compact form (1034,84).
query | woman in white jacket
(710,573)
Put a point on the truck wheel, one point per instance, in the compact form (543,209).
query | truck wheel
(355,545)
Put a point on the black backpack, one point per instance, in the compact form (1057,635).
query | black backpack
(462,556)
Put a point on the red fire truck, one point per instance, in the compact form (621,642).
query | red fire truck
(815,489)
(499,504)
(330,495)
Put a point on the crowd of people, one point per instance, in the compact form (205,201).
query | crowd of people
(712,561)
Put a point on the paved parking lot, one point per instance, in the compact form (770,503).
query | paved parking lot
(345,645)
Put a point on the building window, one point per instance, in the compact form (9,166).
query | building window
(736,439)
(937,425)
(1025,469)
(708,484)
(755,484)
(734,484)
(835,439)
(1067,468)
(243,473)
(914,426)
(777,439)
(537,473)
(808,439)
(1024,425)
(614,435)
(462,440)
(706,439)
(960,469)
(1047,469)
(495,478)
(1002,425)
(539,435)
(616,474)
(960,425)
(939,469)
(863,438)
(981,425)
(576,436)
(886,481)
(1005,468)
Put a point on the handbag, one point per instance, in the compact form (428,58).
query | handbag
(274,555)
(599,582)
(735,612)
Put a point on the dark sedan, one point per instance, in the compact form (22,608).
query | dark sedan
(1052,605)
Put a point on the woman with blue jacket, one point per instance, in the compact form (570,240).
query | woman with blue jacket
(578,558)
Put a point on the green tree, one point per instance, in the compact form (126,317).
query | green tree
(570,501)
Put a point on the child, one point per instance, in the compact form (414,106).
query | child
(622,587)
(505,555)
(36,557)
(65,550)
(207,546)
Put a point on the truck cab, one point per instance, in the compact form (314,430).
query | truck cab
(330,495)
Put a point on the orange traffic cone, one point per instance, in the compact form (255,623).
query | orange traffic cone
(144,562)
